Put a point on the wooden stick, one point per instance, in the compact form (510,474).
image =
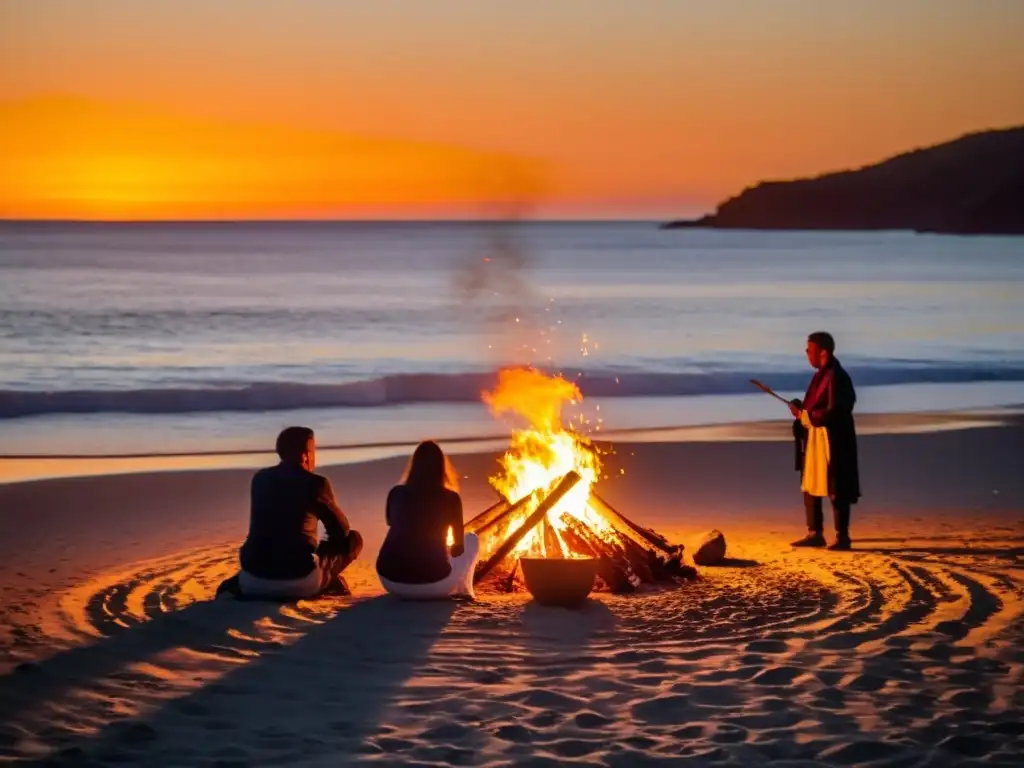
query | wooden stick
(620,525)
(638,558)
(649,536)
(510,582)
(552,546)
(769,390)
(484,530)
(613,568)
(563,487)
(600,546)
(492,527)
(487,515)
(577,543)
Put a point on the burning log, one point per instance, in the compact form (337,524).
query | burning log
(510,581)
(667,566)
(627,558)
(563,487)
(552,546)
(653,557)
(614,569)
(490,525)
(543,455)
(652,538)
(580,542)
(638,557)
(577,543)
(493,512)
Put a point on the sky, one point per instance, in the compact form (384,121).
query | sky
(419,108)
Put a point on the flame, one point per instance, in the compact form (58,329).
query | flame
(542,451)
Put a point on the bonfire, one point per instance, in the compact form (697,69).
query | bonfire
(549,507)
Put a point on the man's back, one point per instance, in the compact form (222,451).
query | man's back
(285,508)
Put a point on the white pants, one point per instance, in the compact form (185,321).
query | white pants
(288,589)
(458,582)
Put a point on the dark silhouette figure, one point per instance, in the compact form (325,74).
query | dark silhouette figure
(281,556)
(415,559)
(829,403)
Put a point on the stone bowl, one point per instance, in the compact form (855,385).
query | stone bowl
(564,582)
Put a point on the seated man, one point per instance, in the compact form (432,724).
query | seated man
(281,557)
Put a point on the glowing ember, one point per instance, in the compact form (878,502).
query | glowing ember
(542,451)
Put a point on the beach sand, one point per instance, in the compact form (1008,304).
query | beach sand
(908,651)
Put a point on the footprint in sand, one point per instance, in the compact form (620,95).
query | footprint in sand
(778,676)
(664,710)
(447,732)
(515,733)
(592,720)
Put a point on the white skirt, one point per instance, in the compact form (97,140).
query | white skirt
(458,582)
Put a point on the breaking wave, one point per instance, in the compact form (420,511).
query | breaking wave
(457,388)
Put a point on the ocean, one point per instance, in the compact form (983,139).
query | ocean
(138,338)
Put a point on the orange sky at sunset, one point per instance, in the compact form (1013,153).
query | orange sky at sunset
(325,108)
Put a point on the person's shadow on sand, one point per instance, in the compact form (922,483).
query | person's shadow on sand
(202,626)
(312,696)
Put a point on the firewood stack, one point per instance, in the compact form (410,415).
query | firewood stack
(629,556)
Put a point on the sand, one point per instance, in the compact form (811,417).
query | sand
(908,651)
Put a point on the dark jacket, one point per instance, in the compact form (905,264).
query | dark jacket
(829,403)
(287,501)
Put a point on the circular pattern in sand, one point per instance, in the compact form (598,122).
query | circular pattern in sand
(808,656)
(832,602)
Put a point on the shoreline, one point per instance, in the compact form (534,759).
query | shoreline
(37,467)
(954,465)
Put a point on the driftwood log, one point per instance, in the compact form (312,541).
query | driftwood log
(564,486)
(638,558)
(654,539)
(614,569)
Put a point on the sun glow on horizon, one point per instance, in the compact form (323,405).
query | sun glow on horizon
(73,158)
(589,108)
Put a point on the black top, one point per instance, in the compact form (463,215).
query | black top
(415,550)
(286,503)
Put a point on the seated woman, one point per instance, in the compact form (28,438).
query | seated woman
(414,561)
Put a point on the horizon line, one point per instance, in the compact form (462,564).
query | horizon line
(383,220)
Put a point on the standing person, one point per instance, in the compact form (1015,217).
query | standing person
(281,557)
(415,560)
(826,440)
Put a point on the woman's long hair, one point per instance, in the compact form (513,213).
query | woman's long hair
(429,469)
